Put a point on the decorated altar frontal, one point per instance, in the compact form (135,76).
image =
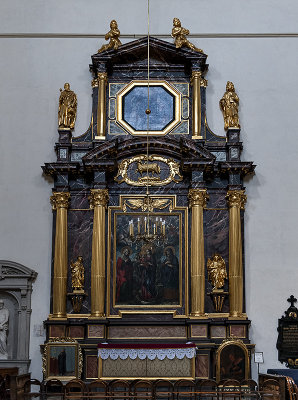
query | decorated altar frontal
(131,361)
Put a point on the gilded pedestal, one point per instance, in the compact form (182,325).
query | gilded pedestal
(197,200)
(98,202)
(236,200)
(59,201)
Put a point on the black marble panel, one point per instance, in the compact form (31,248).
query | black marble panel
(80,244)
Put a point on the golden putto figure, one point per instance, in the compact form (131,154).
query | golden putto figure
(67,108)
(113,35)
(217,272)
(179,34)
(229,106)
(77,274)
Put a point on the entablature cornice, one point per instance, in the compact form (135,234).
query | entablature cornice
(241,167)
(60,168)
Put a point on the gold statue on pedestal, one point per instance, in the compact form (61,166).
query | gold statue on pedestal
(113,35)
(77,274)
(229,106)
(179,34)
(67,108)
(217,272)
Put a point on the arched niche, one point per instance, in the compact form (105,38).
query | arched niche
(15,289)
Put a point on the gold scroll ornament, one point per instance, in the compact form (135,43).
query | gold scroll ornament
(145,167)
(148,204)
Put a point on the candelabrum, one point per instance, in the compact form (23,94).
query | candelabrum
(148,230)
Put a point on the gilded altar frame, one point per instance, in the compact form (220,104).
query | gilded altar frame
(240,347)
(73,358)
(152,83)
(171,210)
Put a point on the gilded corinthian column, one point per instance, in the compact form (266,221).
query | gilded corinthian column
(102,78)
(196,104)
(197,202)
(236,200)
(59,201)
(98,202)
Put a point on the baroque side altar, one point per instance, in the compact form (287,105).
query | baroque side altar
(148,215)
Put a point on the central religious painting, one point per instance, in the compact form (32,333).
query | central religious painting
(148,263)
(146,273)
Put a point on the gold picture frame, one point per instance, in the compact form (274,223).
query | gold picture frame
(62,359)
(232,360)
(124,209)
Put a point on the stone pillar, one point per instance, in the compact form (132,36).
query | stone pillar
(197,202)
(59,201)
(102,79)
(98,202)
(236,200)
(196,104)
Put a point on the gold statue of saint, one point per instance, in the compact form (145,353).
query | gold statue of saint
(217,272)
(179,34)
(67,108)
(113,35)
(77,274)
(229,106)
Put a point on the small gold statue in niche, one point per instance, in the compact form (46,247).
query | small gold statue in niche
(179,34)
(229,106)
(77,274)
(67,108)
(217,272)
(113,35)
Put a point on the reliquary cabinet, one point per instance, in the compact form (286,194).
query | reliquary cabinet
(148,209)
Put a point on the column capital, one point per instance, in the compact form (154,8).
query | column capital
(196,75)
(99,197)
(198,197)
(60,200)
(236,198)
(102,76)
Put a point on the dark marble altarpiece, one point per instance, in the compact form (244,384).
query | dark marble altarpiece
(142,289)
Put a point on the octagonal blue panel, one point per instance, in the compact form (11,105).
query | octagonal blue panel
(161,104)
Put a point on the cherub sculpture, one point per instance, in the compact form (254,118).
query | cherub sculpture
(179,34)
(77,274)
(67,108)
(229,106)
(113,35)
(217,272)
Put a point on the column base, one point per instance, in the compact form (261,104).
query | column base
(96,315)
(198,315)
(237,315)
(59,316)
(99,137)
